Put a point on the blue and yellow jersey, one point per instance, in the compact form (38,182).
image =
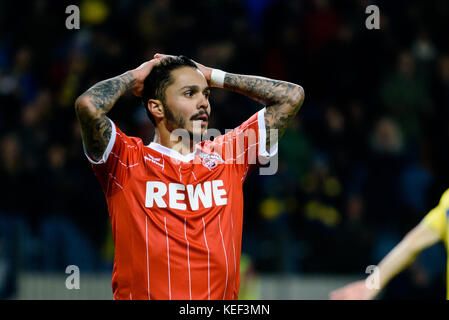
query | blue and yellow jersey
(438,220)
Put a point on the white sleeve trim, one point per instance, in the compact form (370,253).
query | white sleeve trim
(108,150)
(263,137)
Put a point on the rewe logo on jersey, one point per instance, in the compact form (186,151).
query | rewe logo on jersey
(179,195)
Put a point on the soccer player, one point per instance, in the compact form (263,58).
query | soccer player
(433,228)
(176,205)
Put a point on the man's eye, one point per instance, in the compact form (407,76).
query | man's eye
(188,93)
(207,95)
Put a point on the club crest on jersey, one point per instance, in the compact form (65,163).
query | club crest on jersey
(210,161)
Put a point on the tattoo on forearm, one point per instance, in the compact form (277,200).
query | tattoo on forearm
(91,108)
(282,99)
(104,94)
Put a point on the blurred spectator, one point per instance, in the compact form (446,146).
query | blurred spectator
(406,96)
(424,52)
(439,129)
(354,235)
(321,25)
(249,285)
(383,171)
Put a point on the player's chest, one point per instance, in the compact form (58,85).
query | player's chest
(182,186)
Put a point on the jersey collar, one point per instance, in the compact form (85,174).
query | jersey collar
(172,153)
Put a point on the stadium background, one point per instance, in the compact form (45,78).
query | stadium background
(361,164)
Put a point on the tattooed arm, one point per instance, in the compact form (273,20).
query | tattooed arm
(282,99)
(91,107)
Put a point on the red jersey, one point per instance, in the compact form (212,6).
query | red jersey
(177,219)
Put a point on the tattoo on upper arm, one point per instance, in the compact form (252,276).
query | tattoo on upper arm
(96,132)
(282,99)
(91,108)
(104,94)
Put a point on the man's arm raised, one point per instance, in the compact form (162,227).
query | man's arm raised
(282,99)
(91,107)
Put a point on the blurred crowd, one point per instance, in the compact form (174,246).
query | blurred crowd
(363,162)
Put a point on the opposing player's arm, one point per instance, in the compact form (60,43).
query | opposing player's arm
(93,105)
(419,238)
(282,99)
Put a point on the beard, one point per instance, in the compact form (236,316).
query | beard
(176,121)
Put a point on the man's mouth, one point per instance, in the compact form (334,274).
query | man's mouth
(203,117)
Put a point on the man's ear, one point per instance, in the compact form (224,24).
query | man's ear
(156,108)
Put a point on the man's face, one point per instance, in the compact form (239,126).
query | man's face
(187,101)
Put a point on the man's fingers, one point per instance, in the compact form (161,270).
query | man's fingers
(344,293)
(155,62)
(335,295)
(146,64)
(146,67)
(161,56)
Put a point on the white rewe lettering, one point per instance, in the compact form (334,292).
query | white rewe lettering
(155,196)
(219,193)
(198,193)
(177,199)
(175,196)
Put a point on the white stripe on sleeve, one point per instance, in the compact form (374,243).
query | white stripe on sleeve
(106,153)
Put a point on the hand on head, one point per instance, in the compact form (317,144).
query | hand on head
(206,71)
(140,73)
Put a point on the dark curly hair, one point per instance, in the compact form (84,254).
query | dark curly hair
(160,78)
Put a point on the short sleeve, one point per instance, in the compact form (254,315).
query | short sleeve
(437,217)
(245,146)
(121,154)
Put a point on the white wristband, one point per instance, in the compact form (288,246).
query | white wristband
(217,78)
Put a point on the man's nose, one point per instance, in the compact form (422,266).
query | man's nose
(203,103)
